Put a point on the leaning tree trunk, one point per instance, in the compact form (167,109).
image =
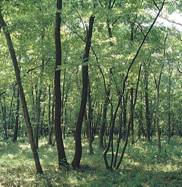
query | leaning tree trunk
(78,145)
(22,95)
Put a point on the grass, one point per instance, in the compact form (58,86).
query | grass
(141,167)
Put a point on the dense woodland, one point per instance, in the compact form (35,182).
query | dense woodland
(90,93)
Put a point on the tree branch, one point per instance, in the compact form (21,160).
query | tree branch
(156,4)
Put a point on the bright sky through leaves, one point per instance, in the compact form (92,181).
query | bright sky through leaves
(173,20)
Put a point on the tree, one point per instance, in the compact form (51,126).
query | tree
(21,92)
(17,117)
(78,145)
(62,161)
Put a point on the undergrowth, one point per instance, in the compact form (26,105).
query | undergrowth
(142,166)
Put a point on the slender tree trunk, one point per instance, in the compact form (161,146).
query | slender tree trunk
(42,127)
(169,104)
(3,111)
(90,120)
(132,116)
(157,122)
(51,130)
(104,120)
(106,101)
(38,104)
(33,107)
(17,117)
(158,83)
(132,109)
(125,101)
(140,120)
(49,117)
(122,121)
(147,107)
(10,116)
(78,145)
(132,106)
(38,113)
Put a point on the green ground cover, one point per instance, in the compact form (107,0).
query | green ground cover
(141,167)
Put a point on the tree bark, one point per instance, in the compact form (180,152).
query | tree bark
(62,161)
(4,113)
(22,95)
(147,107)
(16,117)
(78,145)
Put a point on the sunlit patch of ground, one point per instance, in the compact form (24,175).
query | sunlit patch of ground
(142,166)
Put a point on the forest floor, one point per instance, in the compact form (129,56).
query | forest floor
(141,167)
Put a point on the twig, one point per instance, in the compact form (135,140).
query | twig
(156,4)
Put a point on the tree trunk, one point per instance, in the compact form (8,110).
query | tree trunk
(62,161)
(90,120)
(106,101)
(3,111)
(78,145)
(104,120)
(147,107)
(38,103)
(50,124)
(169,104)
(22,95)
(17,117)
